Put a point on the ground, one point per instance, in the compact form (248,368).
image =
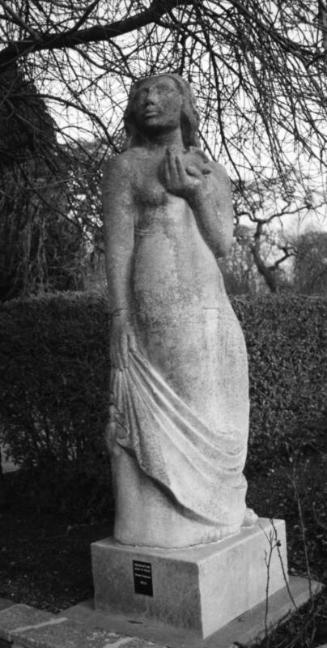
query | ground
(45,556)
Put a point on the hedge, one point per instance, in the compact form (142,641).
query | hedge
(54,379)
(286,339)
(53,387)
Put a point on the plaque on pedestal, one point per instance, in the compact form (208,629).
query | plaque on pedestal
(200,588)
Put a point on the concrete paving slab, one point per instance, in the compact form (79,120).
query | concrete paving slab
(243,630)
(83,627)
(66,633)
(18,617)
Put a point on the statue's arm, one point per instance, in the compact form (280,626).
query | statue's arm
(118,221)
(207,191)
(211,202)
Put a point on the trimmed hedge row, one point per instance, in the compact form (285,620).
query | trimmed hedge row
(54,378)
(53,387)
(287,347)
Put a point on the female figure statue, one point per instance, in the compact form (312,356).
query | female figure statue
(179,388)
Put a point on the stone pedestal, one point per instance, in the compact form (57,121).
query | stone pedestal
(200,588)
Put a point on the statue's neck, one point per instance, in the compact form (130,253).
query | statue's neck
(170,138)
(162,139)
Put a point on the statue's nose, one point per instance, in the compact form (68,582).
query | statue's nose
(151,98)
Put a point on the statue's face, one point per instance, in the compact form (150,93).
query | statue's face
(157,105)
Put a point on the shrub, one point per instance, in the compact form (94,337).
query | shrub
(54,381)
(287,347)
(54,395)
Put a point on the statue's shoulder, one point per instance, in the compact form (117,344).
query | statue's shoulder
(119,165)
(197,156)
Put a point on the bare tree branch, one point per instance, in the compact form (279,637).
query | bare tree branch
(72,39)
(18,20)
(257,69)
(85,16)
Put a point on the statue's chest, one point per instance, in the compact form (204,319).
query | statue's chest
(158,211)
(149,190)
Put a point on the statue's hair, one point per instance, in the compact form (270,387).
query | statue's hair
(189,114)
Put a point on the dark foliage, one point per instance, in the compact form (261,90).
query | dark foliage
(40,246)
(53,397)
(54,381)
(287,347)
(26,127)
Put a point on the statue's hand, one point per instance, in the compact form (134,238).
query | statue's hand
(122,340)
(180,180)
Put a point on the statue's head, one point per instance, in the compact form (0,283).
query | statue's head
(189,119)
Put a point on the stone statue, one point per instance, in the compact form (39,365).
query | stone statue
(178,423)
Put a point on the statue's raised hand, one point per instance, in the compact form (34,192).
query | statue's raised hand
(182,177)
(122,340)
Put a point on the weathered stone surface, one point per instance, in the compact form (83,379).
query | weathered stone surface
(200,588)
(243,630)
(68,634)
(20,616)
(179,385)
(153,634)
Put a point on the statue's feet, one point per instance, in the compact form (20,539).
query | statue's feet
(250,518)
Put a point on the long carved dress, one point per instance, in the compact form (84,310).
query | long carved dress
(179,424)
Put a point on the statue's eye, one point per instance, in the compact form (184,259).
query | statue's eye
(163,88)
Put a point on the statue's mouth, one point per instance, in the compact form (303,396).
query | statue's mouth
(151,113)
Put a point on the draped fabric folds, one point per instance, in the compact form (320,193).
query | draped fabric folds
(201,468)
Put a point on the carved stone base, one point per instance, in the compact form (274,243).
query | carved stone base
(199,588)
